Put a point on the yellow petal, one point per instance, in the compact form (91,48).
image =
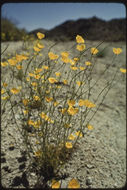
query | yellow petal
(71,102)
(68,145)
(52,56)
(80,47)
(36,49)
(88,63)
(73,184)
(72,111)
(55,184)
(94,51)
(40,35)
(123,70)
(15,90)
(52,80)
(117,51)
(90,127)
(79,39)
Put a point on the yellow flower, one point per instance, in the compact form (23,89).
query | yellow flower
(4,64)
(50,120)
(90,127)
(36,98)
(88,63)
(28,78)
(12,62)
(78,83)
(64,57)
(40,35)
(45,67)
(42,114)
(82,68)
(117,51)
(31,74)
(123,70)
(72,111)
(64,54)
(86,103)
(71,137)
(20,57)
(57,74)
(79,133)
(74,68)
(52,56)
(79,39)
(80,47)
(94,51)
(37,76)
(40,45)
(68,145)
(30,122)
(38,70)
(73,184)
(55,184)
(25,102)
(33,83)
(15,90)
(52,80)
(71,102)
(71,62)
(3,91)
(38,153)
(5,84)
(36,49)
(76,59)
(48,99)
(25,112)
(65,81)
(63,110)
(56,103)
(37,124)
(5,97)
(19,67)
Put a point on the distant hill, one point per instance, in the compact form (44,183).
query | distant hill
(91,29)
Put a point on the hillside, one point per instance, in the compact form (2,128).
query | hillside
(91,29)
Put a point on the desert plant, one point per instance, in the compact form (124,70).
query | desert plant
(53,101)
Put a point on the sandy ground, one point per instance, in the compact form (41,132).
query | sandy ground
(100,160)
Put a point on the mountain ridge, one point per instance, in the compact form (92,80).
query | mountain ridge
(90,28)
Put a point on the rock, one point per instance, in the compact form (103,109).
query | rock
(64,184)
(89,181)
(89,166)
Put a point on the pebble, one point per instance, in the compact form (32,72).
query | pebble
(89,181)
(89,166)
(64,184)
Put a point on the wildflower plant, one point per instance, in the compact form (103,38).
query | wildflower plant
(53,99)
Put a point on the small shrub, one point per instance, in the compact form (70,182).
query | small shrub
(52,98)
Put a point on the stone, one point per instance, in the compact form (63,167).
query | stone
(88,180)
(89,166)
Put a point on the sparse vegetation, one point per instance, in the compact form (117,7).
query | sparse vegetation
(53,101)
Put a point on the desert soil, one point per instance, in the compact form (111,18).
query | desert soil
(100,160)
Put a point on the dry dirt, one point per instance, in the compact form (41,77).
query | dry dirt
(100,160)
